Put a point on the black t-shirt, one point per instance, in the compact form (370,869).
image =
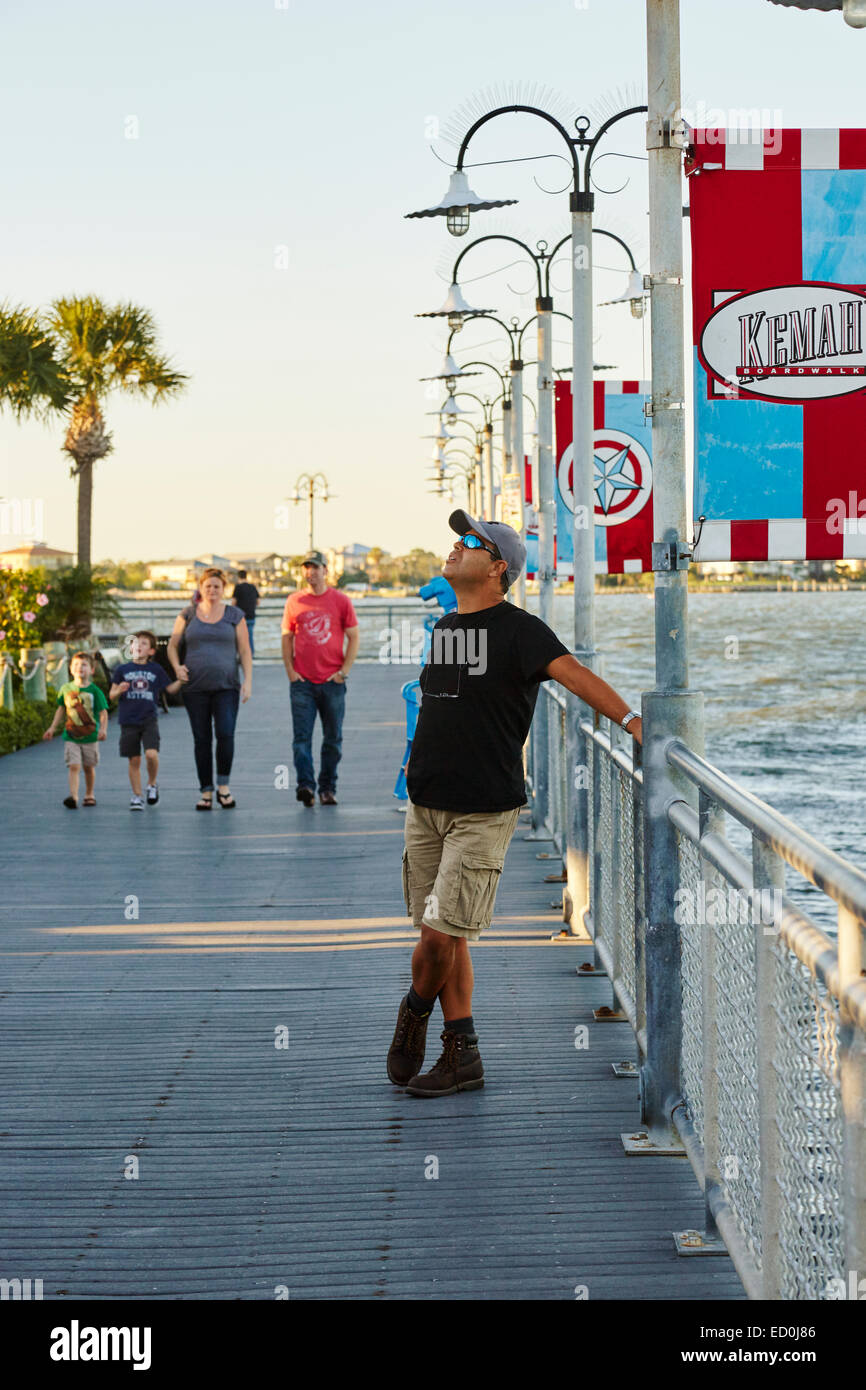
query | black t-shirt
(244,598)
(479,689)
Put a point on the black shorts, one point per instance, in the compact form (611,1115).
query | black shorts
(134,737)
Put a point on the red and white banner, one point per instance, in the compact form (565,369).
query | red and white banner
(623,520)
(778,225)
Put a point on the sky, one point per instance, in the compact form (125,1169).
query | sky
(242,168)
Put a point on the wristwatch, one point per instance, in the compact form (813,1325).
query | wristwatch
(627,718)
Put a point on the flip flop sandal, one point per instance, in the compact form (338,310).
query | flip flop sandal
(204,804)
(89,801)
(70,803)
(226,800)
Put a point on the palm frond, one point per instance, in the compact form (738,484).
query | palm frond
(113,347)
(33,380)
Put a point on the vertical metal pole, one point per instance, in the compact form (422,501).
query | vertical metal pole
(768,873)
(546,522)
(639,908)
(666,714)
(488,472)
(852,1080)
(711,820)
(517,462)
(669,710)
(668,366)
(582,413)
(310,528)
(597,903)
(32,661)
(7,697)
(506,444)
(479,482)
(577,859)
(546,481)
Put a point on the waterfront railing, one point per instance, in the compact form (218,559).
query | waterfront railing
(765,1047)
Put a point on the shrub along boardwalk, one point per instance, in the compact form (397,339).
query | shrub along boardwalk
(158,1143)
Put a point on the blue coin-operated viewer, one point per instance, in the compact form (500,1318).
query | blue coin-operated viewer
(440,590)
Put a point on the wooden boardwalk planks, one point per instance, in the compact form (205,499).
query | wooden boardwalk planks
(153,1037)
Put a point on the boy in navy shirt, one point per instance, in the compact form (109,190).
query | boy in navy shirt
(138,683)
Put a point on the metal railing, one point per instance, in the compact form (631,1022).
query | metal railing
(771,1033)
(403,618)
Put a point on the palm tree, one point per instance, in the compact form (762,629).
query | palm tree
(103,348)
(32,380)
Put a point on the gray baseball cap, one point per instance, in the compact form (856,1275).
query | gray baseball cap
(504,537)
(314,557)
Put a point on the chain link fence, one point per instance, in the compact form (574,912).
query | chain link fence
(772,1026)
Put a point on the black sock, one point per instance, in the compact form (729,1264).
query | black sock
(419,1005)
(460,1025)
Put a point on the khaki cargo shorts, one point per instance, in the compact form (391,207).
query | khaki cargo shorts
(451,867)
(81,754)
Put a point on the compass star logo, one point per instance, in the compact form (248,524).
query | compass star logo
(622,477)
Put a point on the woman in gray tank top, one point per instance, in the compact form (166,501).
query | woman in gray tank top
(216,640)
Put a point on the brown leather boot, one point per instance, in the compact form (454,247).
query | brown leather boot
(406,1054)
(458,1069)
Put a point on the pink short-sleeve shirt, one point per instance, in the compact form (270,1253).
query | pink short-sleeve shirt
(318,622)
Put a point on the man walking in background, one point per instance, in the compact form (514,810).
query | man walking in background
(466,787)
(246,598)
(318,622)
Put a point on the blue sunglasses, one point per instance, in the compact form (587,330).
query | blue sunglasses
(476,543)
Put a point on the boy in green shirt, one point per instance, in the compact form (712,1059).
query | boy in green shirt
(80,703)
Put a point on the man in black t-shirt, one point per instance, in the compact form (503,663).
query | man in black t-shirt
(246,598)
(466,787)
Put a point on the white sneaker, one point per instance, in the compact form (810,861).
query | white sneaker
(152,795)
(136,803)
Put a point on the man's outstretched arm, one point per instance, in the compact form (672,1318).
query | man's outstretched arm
(577,678)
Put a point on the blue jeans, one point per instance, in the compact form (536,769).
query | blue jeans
(327,699)
(251,622)
(220,708)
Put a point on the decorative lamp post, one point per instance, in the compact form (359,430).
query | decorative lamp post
(853,11)
(309,488)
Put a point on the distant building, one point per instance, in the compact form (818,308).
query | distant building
(218,562)
(347,557)
(717,569)
(262,567)
(35,554)
(172,572)
(183,572)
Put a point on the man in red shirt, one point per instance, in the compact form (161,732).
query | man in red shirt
(317,622)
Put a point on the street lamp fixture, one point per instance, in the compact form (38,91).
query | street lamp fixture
(459,202)
(451,410)
(455,309)
(854,11)
(449,371)
(632,295)
(310,488)
(441,436)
